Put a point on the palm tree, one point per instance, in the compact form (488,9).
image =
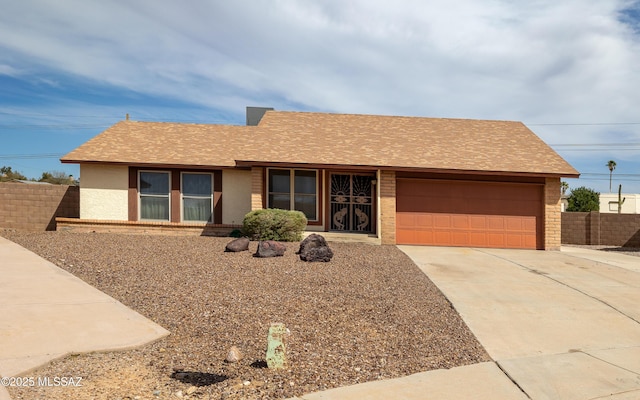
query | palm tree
(564,186)
(612,165)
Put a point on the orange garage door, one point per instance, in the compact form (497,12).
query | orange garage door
(475,214)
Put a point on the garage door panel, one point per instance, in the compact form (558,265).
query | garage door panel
(460,238)
(442,221)
(460,222)
(406,220)
(477,222)
(529,224)
(513,224)
(495,223)
(468,214)
(495,240)
(442,237)
(477,239)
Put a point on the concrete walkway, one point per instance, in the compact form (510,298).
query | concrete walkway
(48,313)
(559,325)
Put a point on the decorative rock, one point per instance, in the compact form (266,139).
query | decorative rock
(239,244)
(315,248)
(270,248)
(276,346)
(234,355)
(191,390)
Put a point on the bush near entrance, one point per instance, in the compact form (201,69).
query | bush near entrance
(274,224)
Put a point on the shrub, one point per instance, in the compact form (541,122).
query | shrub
(236,233)
(274,224)
(584,199)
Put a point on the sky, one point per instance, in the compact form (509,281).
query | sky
(567,69)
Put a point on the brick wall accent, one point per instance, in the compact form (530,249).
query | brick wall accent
(594,228)
(143,227)
(33,207)
(388,207)
(552,211)
(257,201)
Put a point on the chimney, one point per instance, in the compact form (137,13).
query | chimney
(255,114)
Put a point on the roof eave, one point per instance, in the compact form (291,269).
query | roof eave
(249,163)
(147,165)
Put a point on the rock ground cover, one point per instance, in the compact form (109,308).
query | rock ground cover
(368,314)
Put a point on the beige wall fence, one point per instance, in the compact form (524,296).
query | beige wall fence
(594,228)
(34,207)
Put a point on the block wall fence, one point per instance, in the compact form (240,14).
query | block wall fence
(34,207)
(594,228)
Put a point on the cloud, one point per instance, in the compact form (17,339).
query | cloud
(542,61)
(498,59)
(9,70)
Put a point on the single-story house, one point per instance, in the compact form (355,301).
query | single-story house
(403,180)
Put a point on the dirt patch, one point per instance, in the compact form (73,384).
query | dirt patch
(368,314)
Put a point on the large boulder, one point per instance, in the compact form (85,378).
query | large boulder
(240,244)
(270,248)
(315,248)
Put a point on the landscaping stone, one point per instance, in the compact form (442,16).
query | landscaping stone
(270,248)
(315,248)
(234,355)
(276,346)
(240,244)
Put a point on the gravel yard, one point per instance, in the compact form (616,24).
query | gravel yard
(368,314)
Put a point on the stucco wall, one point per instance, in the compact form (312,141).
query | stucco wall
(103,192)
(631,203)
(236,196)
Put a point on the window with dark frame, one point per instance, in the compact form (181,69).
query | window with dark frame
(154,190)
(197,197)
(294,189)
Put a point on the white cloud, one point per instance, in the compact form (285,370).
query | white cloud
(542,61)
(9,70)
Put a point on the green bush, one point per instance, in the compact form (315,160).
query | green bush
(236,233)
(274,224)
(584,199)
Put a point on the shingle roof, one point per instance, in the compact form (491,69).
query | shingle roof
(331,139)
(131,142)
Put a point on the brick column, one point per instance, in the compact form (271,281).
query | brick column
(387,207)
(552,214)
(257,202)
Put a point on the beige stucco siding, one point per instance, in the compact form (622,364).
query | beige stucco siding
(103,192)
(236,195)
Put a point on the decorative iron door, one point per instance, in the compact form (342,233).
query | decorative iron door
(351,203)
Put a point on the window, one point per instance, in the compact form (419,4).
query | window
(197,199)
(154,195)
(293,190)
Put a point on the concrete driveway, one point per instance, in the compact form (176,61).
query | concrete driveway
(561,325)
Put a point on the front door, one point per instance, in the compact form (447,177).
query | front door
(351,203)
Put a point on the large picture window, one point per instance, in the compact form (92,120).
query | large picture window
(154,196)
(294,190)
(197,197)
